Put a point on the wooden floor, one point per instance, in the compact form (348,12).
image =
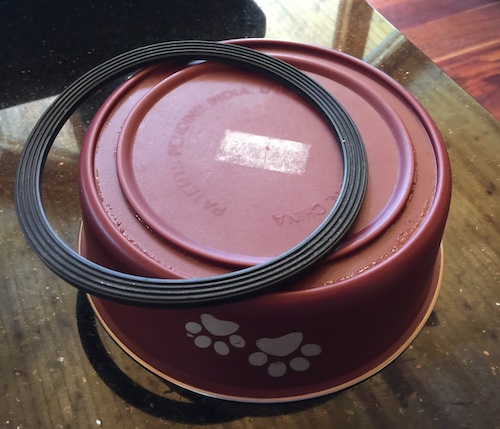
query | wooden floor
(460,36)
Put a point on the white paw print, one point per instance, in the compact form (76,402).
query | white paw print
(283,347)
(224,329)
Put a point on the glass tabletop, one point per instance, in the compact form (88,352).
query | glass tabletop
(59,369)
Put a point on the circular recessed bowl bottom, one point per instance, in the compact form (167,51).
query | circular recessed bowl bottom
(131,344)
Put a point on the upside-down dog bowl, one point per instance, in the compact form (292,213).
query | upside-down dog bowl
(193,170)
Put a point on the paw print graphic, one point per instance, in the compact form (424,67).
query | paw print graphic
(220,334)
(283,347)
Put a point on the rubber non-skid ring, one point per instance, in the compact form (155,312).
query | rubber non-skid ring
(155,292)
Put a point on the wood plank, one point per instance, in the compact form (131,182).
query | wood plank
(458,33)
(478,74)
(462,37)
(407,14)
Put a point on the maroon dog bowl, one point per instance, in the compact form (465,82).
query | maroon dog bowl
(195,170)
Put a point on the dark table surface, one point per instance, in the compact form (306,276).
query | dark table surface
(58,369)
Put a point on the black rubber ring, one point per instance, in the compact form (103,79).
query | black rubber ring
(152,292)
